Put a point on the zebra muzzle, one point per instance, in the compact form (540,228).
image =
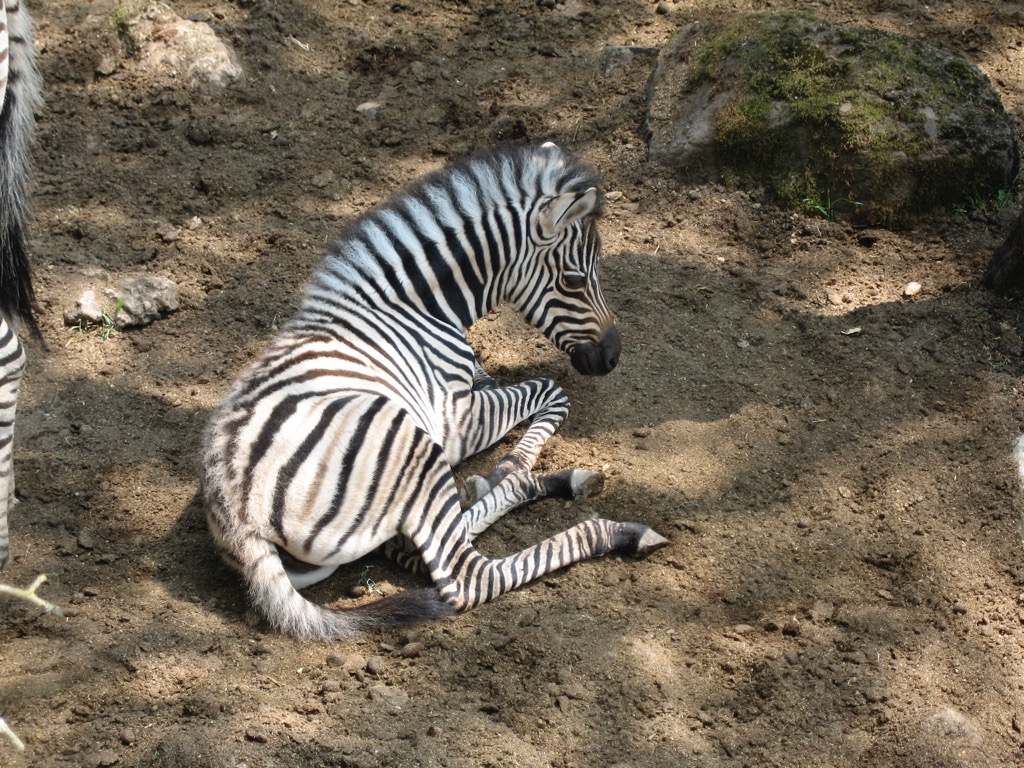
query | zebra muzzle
(597,358)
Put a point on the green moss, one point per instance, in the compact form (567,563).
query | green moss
(849,95)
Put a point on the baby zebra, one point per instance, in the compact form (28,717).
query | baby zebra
(20,88)
(342,436)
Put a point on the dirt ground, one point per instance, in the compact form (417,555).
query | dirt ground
(844,584)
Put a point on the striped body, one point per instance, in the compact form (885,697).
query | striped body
(19,95)
(342,436)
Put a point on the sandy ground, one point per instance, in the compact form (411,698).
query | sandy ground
(844,584)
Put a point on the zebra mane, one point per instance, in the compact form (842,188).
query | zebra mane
(527,171)
(497,177)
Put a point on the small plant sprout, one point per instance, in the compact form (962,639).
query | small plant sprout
(826,208)
(107,324)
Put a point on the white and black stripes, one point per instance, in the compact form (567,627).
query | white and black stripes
(20,88)
(342,436)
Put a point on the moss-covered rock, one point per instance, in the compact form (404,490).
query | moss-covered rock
(846,121)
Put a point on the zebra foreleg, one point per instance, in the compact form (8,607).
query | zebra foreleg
(466,578)
(540,400)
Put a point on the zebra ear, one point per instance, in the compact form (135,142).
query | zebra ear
(557,213)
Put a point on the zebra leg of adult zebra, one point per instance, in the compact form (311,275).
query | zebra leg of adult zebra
(12,365)
(20,87)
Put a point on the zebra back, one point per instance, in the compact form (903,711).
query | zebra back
(21,86)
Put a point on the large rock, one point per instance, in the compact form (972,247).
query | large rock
(848,121)
(167,43)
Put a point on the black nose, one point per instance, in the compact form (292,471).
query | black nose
(597,358)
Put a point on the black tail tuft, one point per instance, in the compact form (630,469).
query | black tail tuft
(17,296)
(410,606)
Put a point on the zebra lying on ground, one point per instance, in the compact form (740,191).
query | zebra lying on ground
(342,436)
(20,88)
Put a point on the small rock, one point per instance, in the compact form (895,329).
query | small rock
(127,737)
(144,299)
(369,109)
(322,179)
(168,43)
(330,686)
(389,695)
(953,725)
(335,659)
(822,610)
(911,289)
(86,541)
(663,9)
(791,628)
(375,666)
(792,657)
(412,650)
(743,344)
(168,233)
(107,66)
(257,736)
(960,609)
(87,310)
(354,664)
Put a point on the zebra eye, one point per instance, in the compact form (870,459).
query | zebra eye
(574,281)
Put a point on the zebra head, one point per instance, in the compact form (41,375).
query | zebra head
(564,300)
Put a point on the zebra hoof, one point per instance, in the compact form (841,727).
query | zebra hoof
(585,483)
(474,489)
(650,542)
(639,541)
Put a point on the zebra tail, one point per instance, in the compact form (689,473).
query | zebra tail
(273,594)
(17,128)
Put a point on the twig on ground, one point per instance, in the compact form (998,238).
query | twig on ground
(28,594)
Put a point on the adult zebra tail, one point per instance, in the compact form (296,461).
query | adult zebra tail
(17,127)
(272,592)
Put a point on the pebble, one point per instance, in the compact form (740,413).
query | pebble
(257,736)
(911,289)
(375,666)
(369,109)
(389,695)
(412,650)
(127,737)
(791,628)
(354,664)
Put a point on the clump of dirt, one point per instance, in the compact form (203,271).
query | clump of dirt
(830,458)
